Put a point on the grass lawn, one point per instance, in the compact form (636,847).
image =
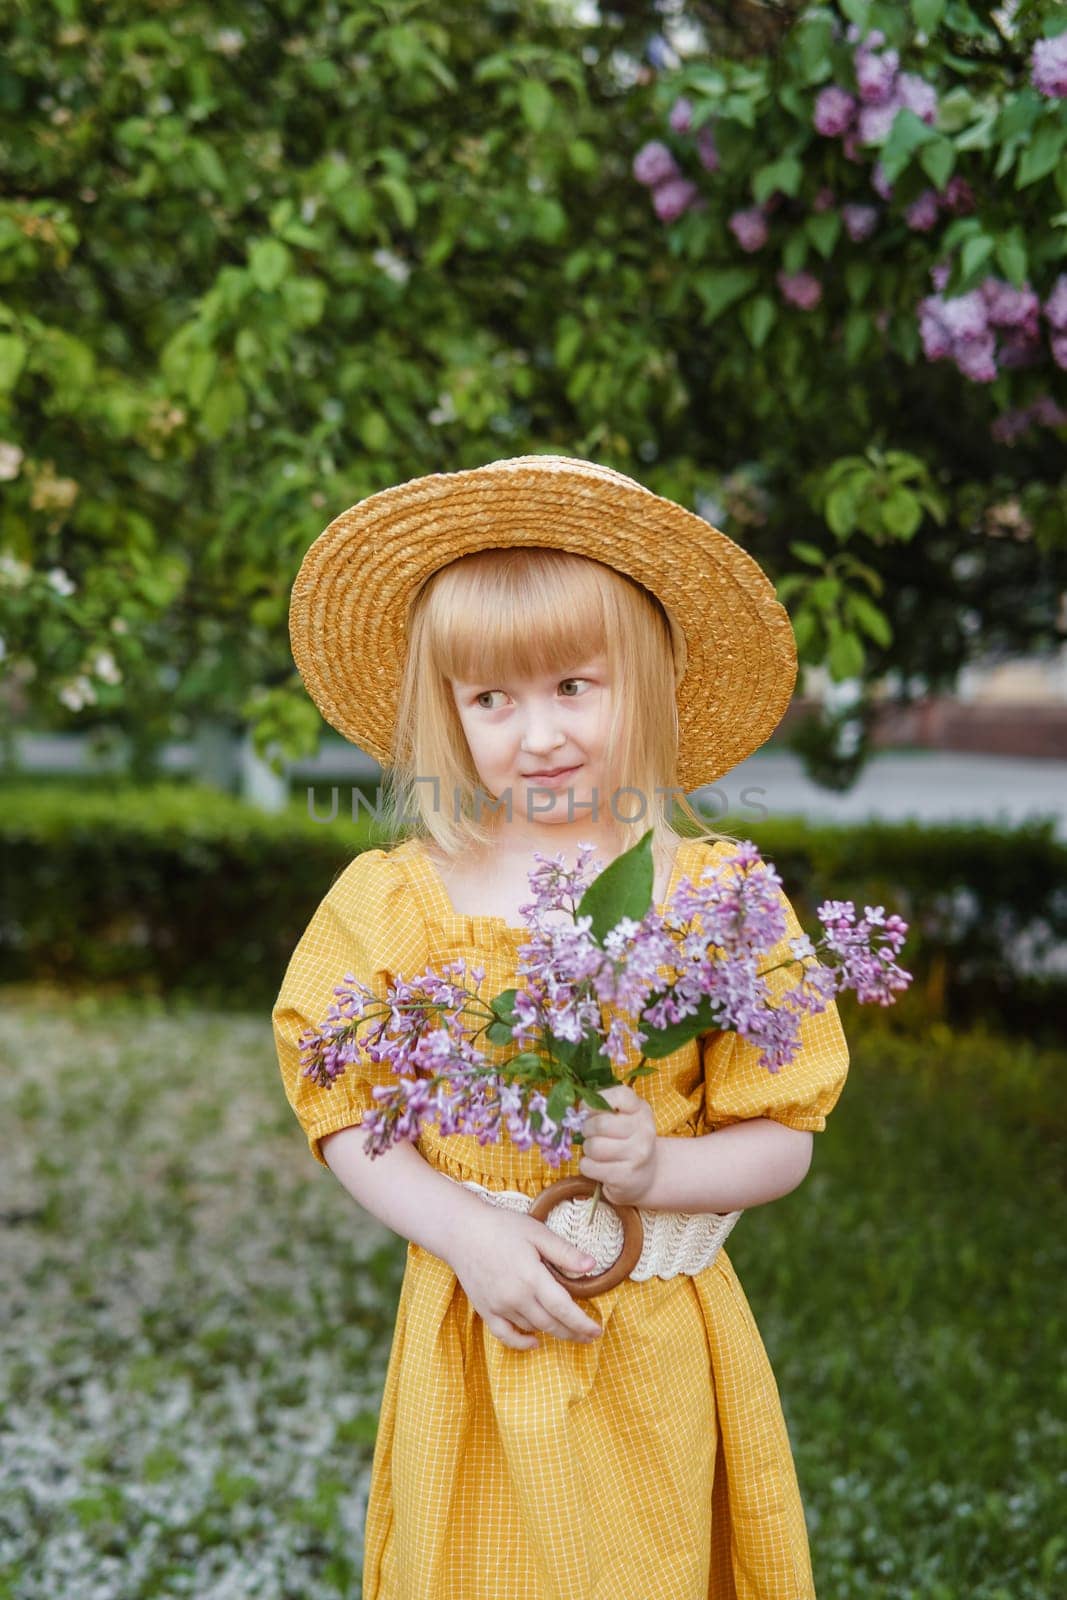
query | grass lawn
(197,1318)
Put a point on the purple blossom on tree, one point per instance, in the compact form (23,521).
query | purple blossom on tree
(1048,67)
(672,198)
(860,221)
(835,111)
(916,95)
(875,122)
(681,115)
(1055,307)
(922,214)
(707,154)
(749,228)
(876,75)
(800,289)
(654,164)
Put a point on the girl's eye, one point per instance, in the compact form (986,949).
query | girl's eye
(565,681)
(485,694)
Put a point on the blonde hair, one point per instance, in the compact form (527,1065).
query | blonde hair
(530,610)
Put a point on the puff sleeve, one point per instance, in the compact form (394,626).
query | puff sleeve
(802,1093)
(369,924)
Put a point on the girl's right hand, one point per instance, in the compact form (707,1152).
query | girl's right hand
(499,1262)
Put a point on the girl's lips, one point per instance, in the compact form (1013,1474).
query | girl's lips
(552,780)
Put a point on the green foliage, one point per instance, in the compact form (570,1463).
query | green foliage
(226,314)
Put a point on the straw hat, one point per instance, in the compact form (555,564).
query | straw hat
(734,648)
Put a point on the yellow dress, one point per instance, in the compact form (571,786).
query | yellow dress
(652,1464)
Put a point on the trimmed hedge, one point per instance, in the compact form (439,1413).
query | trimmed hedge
(182,891)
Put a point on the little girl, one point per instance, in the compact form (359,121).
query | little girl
(544,653)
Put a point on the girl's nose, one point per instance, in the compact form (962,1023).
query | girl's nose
(542,732)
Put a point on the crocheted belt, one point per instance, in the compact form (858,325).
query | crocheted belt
(675,1241)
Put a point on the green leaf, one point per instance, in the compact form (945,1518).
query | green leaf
(938,160)
(823,229)
(565,1050)
(866,614)
(841,511)
(813,36)
(268,262)
(1012,257)
(757,318)
(528,1064)
(858,328)
(807,552)
(199,371)
(535,103)
(785,174)
(858,275)
(845,657)
(976,253)
(901,513)
(13,353)
(665,1041)
(907,135)
(224,405)
(498,1033)
(560,1100)
(806,631)
(623,889)
(402,198)
(719,287)
(1041,153)
(795,251)
(503,1005)
(927,14)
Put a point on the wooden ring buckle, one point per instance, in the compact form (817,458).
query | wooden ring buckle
(633,1237)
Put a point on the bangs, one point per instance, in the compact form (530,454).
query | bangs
(522,611)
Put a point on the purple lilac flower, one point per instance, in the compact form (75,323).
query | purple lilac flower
(917,95)
(876,121)
(959,330)
(1047,412)
(712,937)
(749,228)
(1048,67)
(876,75)
(958,196)
(681,115)
(940,274)
(921,215)
(654,164)
(873,974)
(1009,307)
(1012,424)
(1058,346)
(835,111)
(672,198)
(1055,307)
(1020,347)
(800,289)
(860,221)
(824,199)
(706,152)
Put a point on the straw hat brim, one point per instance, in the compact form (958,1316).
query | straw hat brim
(349,606)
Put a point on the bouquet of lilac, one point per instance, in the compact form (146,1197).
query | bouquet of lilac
(614,952)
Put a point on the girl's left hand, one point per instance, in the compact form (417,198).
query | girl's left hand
(620,1147)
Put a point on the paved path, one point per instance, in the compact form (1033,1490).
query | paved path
(929,785)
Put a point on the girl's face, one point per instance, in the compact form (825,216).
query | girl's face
(521,729)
